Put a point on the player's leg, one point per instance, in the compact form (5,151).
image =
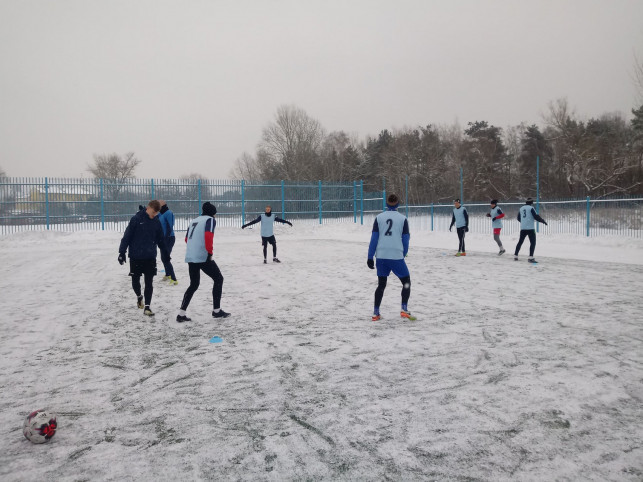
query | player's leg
(532,242)
(273,241)
(383,270)
(523,235)
(400,270)
(264,243)
(213,271)
(135,273)
(194,269)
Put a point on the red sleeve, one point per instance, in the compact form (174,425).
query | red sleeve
(209,241)
(500,216)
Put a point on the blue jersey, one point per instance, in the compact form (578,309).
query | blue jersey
(527,217)
(267,225)
(460,217)
(199,238)
(495,212)
(167,222)
(390,236)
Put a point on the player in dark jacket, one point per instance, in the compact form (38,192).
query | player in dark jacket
(527,216)
(166,217)
(143,234)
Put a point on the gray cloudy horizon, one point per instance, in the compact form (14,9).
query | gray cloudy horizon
(189,85)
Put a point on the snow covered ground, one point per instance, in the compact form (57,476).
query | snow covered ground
(512,371)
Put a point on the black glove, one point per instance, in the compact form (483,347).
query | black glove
(289,223)
(466,229)
(370,263)
(493,219)
(489,215)
(545,223)
(121,258)
(244,226)
(209,258)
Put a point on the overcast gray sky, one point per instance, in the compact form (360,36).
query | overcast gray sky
(188,85)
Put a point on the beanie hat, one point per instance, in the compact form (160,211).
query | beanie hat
(494,201)
(209,209)
(529,201)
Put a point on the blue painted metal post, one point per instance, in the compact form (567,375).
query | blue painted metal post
(537,190)
(383,194)
(243,202)
(406,195)
(431,216)
(461,188)
(283,200)
(198,208)
(152,183)
(361,204)
(47,201)
(355,202)
(588,216)
(320,202)
(102,206)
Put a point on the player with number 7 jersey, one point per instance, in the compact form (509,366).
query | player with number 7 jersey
(198,255)
(390,245)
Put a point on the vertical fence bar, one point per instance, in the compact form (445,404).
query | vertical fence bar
(361,203)
(355,202)
(461,188)
(320,202)
(406,196)
(47,201)
(198,208)
(283,200)
(537,190)
(243,202)
(431,216)
(383,194)
(152,185)
(102,205)
(588,216)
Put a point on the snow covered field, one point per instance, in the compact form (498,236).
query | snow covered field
(512,371)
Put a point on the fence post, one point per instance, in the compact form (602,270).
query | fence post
(355,202)
(198,208)
(361,204)
(537,190)
(152,184)
(47,201)
(283,200)
(588,216)
(431,216)
(243,203)
(406,196)
(383,194)
(102,205)
(461,188)
(320,202)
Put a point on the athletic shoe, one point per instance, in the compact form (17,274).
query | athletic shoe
(532,260)
(407,314)
(148,312)
(265,262)
(166,278)
(276,260)
(220,314)
(515,257)
(376,318)
(173,282)
(502,251)
(463,253)
(182,318)
(458,253)
(139,302)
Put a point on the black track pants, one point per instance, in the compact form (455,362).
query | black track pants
(212,270)
(531,233)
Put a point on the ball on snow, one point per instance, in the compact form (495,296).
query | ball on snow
(40,426)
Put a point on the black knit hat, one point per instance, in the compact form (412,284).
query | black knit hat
(494,202)
(529,200)
(209,209)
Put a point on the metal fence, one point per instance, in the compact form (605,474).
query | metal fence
(100,204)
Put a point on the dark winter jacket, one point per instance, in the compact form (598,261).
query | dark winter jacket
(142,236)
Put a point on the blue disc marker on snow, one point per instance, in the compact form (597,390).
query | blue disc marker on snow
(216,339)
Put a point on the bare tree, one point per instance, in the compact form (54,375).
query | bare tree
(2,173)
(637,77)
(113,166)
(245,168)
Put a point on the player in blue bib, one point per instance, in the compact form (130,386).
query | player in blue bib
(267,220)
(527,216)
(460,218)
(496,215)
(390,244)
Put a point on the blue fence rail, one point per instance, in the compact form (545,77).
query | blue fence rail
(101,204)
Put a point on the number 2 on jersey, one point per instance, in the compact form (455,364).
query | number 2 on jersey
(390,225)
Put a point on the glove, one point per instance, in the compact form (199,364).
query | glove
(370,263)
(493,219)
(489,215)
(466,229)
(121,258)
(450,228)
(243,227)
(209,258)
(289,223)
(545,223)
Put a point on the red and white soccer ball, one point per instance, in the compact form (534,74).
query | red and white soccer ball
(40,426)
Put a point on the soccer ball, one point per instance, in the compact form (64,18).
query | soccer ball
(40,426)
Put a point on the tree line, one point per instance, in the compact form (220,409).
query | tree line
(599,157)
